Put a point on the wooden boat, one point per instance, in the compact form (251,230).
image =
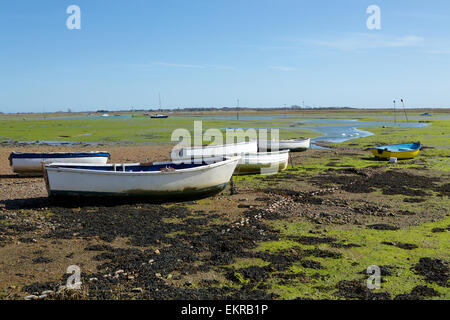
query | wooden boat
(214,151)
(263,162)
(399,151)
(29,164)
(153,180)
(292,144)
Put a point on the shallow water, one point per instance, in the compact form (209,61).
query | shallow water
(335,130)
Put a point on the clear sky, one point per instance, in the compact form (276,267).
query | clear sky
(209,53)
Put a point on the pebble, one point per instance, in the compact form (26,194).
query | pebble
(31,297)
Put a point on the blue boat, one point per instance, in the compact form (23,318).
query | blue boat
(399,151)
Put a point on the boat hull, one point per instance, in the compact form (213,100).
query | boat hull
(227,150)
(263,163)
(291,145)
(30,165)
(399,151)
(401,155)
(199,181)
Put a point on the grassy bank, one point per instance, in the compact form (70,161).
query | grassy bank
(155,131)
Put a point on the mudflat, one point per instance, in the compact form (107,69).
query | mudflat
(307,233)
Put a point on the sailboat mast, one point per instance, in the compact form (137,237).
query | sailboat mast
(404,110)
(395,117)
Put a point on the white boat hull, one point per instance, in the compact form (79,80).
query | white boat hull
(180,183)
(227,150)
(292,145)
(263,162)
(33,166)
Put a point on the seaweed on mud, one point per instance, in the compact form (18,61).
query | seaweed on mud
(434,270)
(143,224)
(42,260)
(98,247)
(37,288)
(401,245)
(194,249)
(357,289)
(344,245)
(209,282)
(278,261)
(391,182)
(407,296)
(424,291)
(382,226)
(371,209)
(443,190)
(253,273)
(309,240)
(436,230)
(414,200)
(385,271)
(27,240)
(311,264)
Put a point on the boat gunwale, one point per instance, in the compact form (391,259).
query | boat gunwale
(386,147)
(218,146)
(59,167)
(40,155)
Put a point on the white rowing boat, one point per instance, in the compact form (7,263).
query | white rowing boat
(291,144)
(226,150)
(263,162)
(259,162)
(155,181)
(30,164)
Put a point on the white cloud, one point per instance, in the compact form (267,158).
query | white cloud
(282,68)
(191,66)
(438,51)
(178,65)
(359,41)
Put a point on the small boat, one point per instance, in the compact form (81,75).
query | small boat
(30,164)
(263,162)
(293,144)
(159,116)
(157,181)
(215,151)
(399,151)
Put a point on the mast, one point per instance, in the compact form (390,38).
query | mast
(404,110)
(395,117)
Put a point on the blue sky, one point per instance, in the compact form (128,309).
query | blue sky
(208,53)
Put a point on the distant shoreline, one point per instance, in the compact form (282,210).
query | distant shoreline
(242,110)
